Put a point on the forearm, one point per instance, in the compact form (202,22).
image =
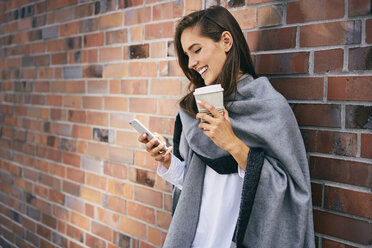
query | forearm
(239,151)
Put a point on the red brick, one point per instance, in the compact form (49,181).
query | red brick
(57,4)
(134,87)
(136,35)
(120,188)
(342,227)
(165,87)
(142,105)
(84,10)
(168,107)
(71,159)
(246,18)
(107,217)
(270,15)
(98,150)
(102,231)
(83,132)
(92,102)
(167,11)
(163,219)
(159,30)
(97,86)
(115,86)
(120,120)
(155,236)
(96,181)
(115,170)
(133,227)
(142,69)
(299,88)
(332,33)
(349,88)
(328,142)
(283,63)
(304,10)
(56,196)
(116,70)
(110,21)
(72,101)
(90,56)
(141,212)
(97,118)
(328,115)
(161,125)
(328,61)
(359,7)
(366,146)
(116,103)
(110,54)
(137,16)
(93,40)
(91,195)
(79,116)
(272,39)
(129,139)
(333,244)
(148,196)
(317,194)
(71,188)
(369,31)
(75,233)
(80,220)
(75,175)
(115,204)
(69,29)
(348,201)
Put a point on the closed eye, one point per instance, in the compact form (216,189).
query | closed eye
(197,51)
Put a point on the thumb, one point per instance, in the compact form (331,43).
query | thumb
(226,114)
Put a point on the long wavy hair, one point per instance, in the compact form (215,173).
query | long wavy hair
(212,22)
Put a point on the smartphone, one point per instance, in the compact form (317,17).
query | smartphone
(142,129)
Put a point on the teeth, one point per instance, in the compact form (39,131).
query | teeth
(202,70)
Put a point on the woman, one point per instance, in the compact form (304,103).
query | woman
(241,178)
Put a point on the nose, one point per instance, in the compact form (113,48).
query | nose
(192,63)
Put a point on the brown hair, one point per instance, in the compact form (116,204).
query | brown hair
(212,22)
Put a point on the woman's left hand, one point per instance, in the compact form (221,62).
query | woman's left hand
(217,127)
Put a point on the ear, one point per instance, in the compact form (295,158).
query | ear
(226,40)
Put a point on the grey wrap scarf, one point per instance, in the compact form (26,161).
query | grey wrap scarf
(281,214)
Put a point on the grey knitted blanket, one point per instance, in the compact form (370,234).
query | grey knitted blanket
(281,212)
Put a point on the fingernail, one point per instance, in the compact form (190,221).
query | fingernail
(198,101)
(144,135)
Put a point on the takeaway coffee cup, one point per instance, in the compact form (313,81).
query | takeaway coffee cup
(212,94)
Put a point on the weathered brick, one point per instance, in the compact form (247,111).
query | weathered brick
(122,4)
(338,143)
(100,134)
(92,71)
(69,29)
(348,201)
(71,72)
(270,15)
(299,88)
(101,231)
(359,7)
(305,10)
(329,115)
(366,146)
(328,61)
(93,40)
(136,34)
(360,58)
(369,31)
(358,116)
(135,87)
(283,63)
(139,51)
(108,54)
(71,188)
(97,86)
(332,33)
(272,39)
(143,177)
(84,10)
(349,88)
(117,37)
(346,228)
(50,33)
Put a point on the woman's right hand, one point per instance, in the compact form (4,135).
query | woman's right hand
(154,148)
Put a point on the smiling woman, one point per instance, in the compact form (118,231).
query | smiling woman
(241,176)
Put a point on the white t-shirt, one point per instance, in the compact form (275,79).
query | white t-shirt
(220,203)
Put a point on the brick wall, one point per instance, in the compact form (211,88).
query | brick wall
(73,72)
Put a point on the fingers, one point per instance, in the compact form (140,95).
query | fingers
(143,138)
(209,107)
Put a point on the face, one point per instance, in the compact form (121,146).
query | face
(206,56)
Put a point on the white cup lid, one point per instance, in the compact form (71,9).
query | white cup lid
(208,89)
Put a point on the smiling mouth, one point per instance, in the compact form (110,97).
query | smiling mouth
(204,69)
